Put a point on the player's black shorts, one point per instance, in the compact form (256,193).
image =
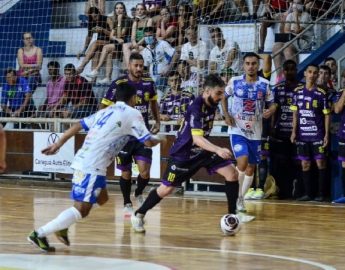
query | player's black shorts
(265,147)
(133,150)
(310,150)
(179,171)
(341,149)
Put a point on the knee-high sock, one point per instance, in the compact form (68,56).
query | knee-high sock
(231,191)
(62,221)
(240,181)
(263,167)
(307,183)
(126,186)
(247,182)
(151,201)
(141,184)
(321,182)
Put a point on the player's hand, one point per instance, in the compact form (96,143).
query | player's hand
(224,153)
(51,149)
(325,141)
(293,137)
(164,117)
(229,120)
(267,113)
(155,128)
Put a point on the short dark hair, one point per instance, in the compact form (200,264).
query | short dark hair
(54,64)
(183,62)
(93,10)
(289,62)
(149,29)
(70,66)
(213,80)
(173,73)
(329,59)
(135,56)
(251,54)
(327,68)
(10,70)
(312,65)
(216,29)
(124,92)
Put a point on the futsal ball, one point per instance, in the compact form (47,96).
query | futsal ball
(230,224)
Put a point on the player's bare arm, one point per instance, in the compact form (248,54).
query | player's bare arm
(229,120)
(202,142)
(155,111)
(270,111)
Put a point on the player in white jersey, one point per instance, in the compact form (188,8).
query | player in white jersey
(108,132)
(249,95)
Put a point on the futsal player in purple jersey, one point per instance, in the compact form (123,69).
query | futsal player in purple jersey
(146,97)
(310,130)
(192,150)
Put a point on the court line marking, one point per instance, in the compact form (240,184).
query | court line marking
(280,257)
(112,193)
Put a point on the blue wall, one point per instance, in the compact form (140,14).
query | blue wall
(26,16)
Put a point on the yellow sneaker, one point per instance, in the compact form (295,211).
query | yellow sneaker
(249,194)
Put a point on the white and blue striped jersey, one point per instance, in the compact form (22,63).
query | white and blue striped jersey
(108,132)
(246,103)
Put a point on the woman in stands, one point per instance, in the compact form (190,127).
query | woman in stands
(185,19)
(101,25)
(167,27)
(30,59)
(118,36)
(137,43)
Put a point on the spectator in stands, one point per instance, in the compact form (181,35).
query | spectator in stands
(167,27)
(137,44)
(332,64)
(118,36)
(153,8)
(210,11)
(55,91)
(194,52)
(101,25)
(159,58)
(99,4)
(30,59)
(185,20)
(295,24)
(188,82)
(275,10)
(78,99)
(224,54)
(175,103)
(16,95)
(317,8)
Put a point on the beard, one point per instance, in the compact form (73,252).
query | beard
(212,102)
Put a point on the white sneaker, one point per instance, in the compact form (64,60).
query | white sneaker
(140,200)
(92,74)
(138,223)
(104,81)
(245,218)
(128,210)
(240,205)
(258,194)
(249,194)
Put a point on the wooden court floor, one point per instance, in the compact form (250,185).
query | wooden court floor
(182,233)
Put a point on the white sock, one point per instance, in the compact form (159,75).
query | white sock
(240,181)
(62,221)
(247,183)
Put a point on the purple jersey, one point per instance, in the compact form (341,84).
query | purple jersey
(341,131)
(176,105)
(311,106)
(145,92)
(198,121)
(283,97)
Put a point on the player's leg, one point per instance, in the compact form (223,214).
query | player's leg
(320,158)
(303,154)
(341,157)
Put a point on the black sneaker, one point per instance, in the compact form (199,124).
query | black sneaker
(40,242)
(304,198)
(63,236)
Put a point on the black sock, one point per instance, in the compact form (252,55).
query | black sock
(141,184)
(343,180)
(231,191)
(126,186)
(151,201)
(263,165)
(307,183)
(322,177)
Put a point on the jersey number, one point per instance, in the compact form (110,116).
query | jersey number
(103,120)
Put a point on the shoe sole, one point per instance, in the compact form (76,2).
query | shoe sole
(62,240)
(50,249)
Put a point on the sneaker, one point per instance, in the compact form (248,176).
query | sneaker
(104,81)
(40,242)
(319,199)
(138,223)
(62,236)
(304,198)
(258,194)
(140,200)
(339,200)
(92,74)
(249,194)
(240,205)
(243,218)
(128,210)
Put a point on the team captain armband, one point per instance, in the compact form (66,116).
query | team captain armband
(293,108)
(197,132)
(107,102)
(326,111)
